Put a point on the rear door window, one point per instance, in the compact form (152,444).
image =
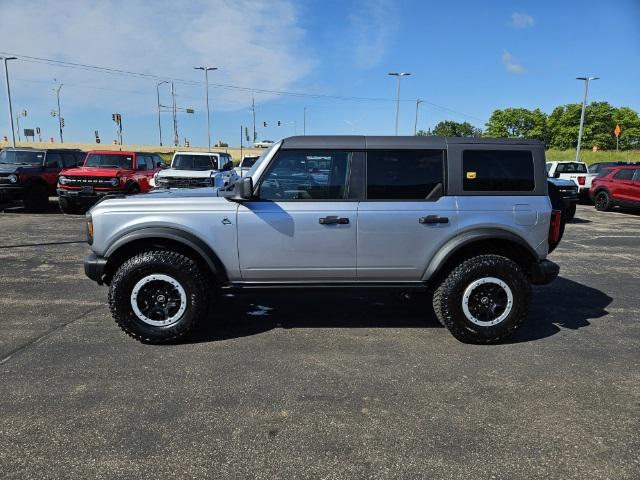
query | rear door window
(403,175)
(625,174)
(497,171)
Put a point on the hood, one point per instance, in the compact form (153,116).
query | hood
(174,172)
(180,193)
(7,168)
(92,172)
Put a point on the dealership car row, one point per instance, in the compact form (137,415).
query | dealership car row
(80,179)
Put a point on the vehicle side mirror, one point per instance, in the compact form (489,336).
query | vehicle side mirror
(141,166)
(80,163)
(243,189)
(227,166)
(556,175)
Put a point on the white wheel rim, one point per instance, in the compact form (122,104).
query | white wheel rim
(135,293)
(467,298)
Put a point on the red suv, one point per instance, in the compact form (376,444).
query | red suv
(616,186)
(104,173)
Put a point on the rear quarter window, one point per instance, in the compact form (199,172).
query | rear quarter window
(497,171)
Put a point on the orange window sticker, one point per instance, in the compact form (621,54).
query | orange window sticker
(471,175)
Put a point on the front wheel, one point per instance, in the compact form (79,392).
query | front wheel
(159,296)
(483,300)
(36,199)
(571,211)
(70,207)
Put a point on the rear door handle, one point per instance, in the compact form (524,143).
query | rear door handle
(333,220)
(433,219)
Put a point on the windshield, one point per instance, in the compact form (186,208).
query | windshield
(21,157)
(195,162)
(114,160)
(256,165)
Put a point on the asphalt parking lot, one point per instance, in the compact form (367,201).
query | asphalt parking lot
(319,385)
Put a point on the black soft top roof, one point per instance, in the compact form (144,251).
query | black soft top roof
(360,142)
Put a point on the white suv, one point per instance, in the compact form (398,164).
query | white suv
(197,169)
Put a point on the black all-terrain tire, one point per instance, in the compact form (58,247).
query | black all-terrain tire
(602,201)
(186,271)
(36,199)
(448,298)
(70,207)
(133,189)
(571,212)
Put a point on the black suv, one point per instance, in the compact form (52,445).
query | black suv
(31,175)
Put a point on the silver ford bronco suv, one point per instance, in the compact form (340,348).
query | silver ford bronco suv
(468,220)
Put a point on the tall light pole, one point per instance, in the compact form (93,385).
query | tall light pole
(60,120)
(159,122)
(399,75)
(415,125)
(6,77)
(206,94)
(586,81)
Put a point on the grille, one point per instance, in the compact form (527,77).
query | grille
(93,181)
(180,182)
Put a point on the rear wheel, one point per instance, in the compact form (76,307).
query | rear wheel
(37,198)
(159,296)
(483,300)
(602,201)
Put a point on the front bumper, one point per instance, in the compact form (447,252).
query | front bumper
(94,267)
(8,193)
(544,272)
(86,197)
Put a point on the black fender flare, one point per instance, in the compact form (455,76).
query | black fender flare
(176,235)
(455,244)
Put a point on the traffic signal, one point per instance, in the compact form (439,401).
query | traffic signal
(113,117)
(279,124)
(61,122)
(264,124)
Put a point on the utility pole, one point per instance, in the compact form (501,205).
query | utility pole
(415,125)
(176,138)
(18,116)
(584,106)
(253,109)
(399,75)
(159,122)
(6,77)
(60,120)
(304,121)
(206,95)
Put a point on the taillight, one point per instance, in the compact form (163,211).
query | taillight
(554,226)
(581,180)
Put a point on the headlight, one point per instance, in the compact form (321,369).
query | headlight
(115,181)
(13,178)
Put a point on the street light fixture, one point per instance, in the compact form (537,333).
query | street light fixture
(6,76)
(399,75)
(586,81)
(206,81)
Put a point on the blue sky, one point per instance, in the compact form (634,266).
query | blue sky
(466,59)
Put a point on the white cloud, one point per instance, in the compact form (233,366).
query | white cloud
(522,20)
(254,43)
(373,22)
(510,65)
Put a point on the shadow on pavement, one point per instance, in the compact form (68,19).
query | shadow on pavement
(18,207)
(563,304)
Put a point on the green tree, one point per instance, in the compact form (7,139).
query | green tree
(449,128)
(519,123)
(600,121)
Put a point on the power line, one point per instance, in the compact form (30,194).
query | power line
(149,76)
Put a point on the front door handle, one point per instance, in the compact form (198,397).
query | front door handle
(333,220)
(433,219)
